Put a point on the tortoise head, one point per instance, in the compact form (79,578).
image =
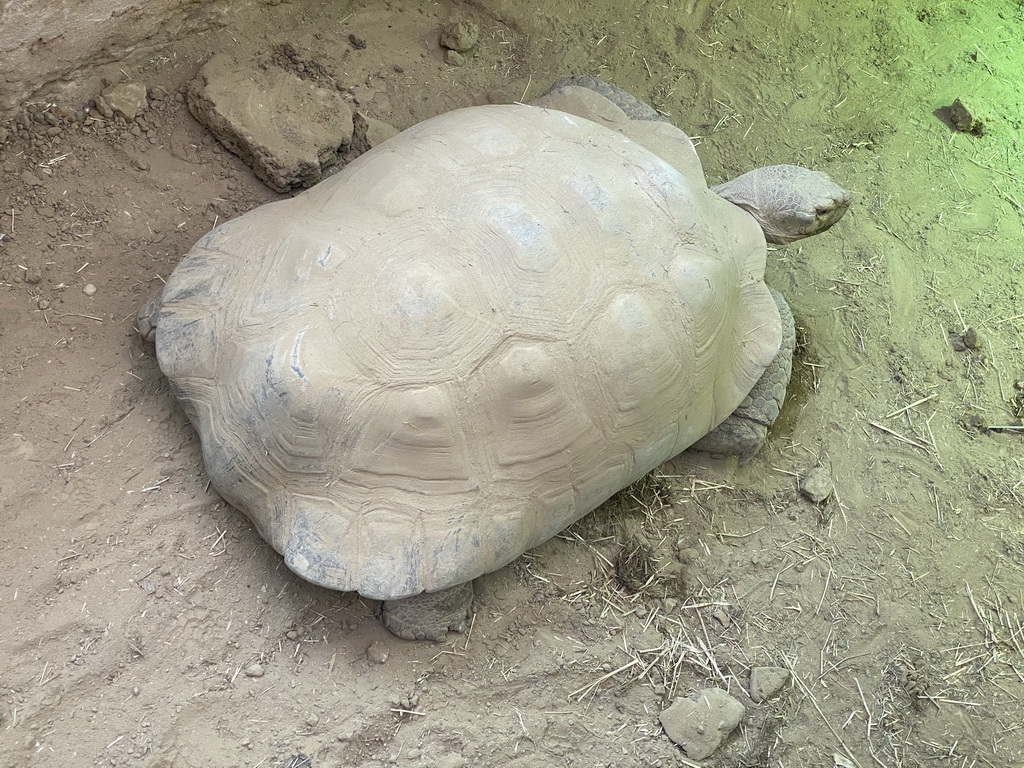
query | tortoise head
(789,202)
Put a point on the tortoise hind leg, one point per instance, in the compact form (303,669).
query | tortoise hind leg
(743,433)
(430,615)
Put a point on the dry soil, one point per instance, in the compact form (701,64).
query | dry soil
(144,622)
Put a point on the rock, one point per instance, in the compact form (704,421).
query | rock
(254,670)
(377,131)
(103,107)
(460,36)
(765,682)
(965,120)
(816,485)
(34,276)
(126,99)
(89,289)
(454,59)
(368,133)
(288,130)
(700,722)
(377,652)
(312,719)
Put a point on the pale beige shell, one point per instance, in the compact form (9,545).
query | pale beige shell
(476,333)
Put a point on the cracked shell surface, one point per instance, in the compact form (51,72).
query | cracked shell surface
(470,337)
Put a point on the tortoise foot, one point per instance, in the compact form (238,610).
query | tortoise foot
(431,615)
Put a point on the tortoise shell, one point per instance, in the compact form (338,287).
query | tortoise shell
(466,340)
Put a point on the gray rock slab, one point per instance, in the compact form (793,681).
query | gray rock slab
(288,130)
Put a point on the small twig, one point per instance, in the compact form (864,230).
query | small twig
(914,404)
(814,702)
(898,436)
(579,693)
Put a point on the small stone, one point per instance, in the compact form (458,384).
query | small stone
(147,587)
(357,42)
(126,99)
(454,59)
(312,719)
(292,634)
(378,652)
(89,289)
(31,179)
(254,670)
(702,721)
(971,338)
(765,682)
(103,107)
(816,485)
(377,131)
(43,303)
(34,276)
(460,36)
(965,120)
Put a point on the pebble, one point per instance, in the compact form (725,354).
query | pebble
(43,303)
(254,670)
(89,289)
(460,35)
(816,485)
(103,107)
(965,118)
(454,59)
(312,719)
(126,99)
(765,682)
(31,179)
(700,722)
(378,652)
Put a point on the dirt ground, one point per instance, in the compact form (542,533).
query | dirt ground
(145,623)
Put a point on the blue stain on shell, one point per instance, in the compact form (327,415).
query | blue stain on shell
(295,366)
(322,260)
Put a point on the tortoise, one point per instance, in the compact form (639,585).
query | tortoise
(475,334)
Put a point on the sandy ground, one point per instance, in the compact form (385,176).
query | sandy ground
(145,623)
